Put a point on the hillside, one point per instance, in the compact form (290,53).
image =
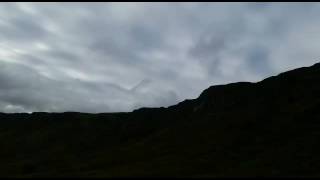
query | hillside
(269,128)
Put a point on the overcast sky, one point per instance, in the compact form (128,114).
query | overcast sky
(107,57)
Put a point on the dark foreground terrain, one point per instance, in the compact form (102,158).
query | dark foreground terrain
(269,128)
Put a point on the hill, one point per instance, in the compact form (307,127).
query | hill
(268,128)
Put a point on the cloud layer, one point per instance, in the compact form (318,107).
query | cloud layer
(107,57)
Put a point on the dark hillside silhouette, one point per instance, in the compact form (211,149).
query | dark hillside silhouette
(269,128)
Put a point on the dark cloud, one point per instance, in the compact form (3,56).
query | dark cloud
(104,57)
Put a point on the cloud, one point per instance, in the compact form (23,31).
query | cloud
(106,57)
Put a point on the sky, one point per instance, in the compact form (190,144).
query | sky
(115,57)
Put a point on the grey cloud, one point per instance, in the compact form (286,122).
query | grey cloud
(104,57)
(22,28)
(257,59)
(37,93)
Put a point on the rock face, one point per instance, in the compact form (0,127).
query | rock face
(269,128)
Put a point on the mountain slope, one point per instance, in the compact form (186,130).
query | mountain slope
(269,128)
